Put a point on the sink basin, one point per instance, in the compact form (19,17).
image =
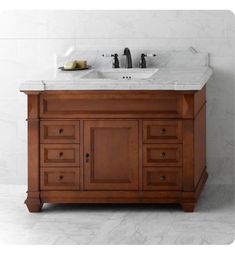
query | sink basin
(121,74)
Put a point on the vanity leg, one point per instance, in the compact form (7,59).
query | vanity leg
(33,202)
(188,206)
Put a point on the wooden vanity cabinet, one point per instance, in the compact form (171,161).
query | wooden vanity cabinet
(116,147)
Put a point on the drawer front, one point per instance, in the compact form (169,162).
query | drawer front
(59,155)
(162,131)
(59,131)
(59,178)
(162,178)
(162,154)
(82,105)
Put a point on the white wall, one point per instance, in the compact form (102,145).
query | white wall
(29,40)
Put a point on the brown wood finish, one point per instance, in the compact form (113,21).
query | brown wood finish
(121,197)
(33,200)
(184,198)
(78,105)
(140,155)
(162,178)
(188,155)
(162,155)
(59,155)
(159,196)
(59,131)
(199,100)
(111,155)
(59,179)
(142,147)
(81,155)
(162,131)
(199,144)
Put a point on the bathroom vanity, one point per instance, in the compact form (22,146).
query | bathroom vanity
(96,140)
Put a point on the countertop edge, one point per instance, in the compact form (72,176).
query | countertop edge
(100,85)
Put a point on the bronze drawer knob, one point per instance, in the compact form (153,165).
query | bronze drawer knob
(61,130)
(163,154)
(61,177)
(162,178)
(163,131)
(61,154)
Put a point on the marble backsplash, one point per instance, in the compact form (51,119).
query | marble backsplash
(164,58)
(31,40)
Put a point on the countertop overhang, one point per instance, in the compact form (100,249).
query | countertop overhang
(180,78)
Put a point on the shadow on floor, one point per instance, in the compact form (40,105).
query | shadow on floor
(111,207)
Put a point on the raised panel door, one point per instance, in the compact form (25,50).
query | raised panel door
(111,155)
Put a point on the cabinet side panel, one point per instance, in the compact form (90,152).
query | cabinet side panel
(199,100)
(81,155)
(188,106)
(188,153)
(200,144)
(140,140)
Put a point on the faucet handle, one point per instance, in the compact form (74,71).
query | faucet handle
(143,63)
(150,55)
(107,55)
(115,63)
(115,60)
(110,55)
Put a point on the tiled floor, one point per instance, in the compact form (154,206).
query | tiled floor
(213,221)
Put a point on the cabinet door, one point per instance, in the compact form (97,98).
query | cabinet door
(110,155)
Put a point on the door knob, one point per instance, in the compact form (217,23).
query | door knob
(87,157)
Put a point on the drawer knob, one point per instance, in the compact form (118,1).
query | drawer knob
(61,177)
(162,178)
(163,154)
(61,130)
(61,154)
(163,131)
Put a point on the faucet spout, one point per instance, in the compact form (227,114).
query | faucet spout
(127,53)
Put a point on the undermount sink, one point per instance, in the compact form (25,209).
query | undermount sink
(121,74)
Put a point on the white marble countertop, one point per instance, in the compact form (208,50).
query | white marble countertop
(170,78)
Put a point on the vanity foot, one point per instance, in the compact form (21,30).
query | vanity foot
(34,205)
(188,207)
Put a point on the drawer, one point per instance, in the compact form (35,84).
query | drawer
(162,131)
(162,154)
(59,178)
(162,178)
(59,155)
(86,105)
(59,131)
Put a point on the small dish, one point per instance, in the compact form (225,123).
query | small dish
(74,69)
